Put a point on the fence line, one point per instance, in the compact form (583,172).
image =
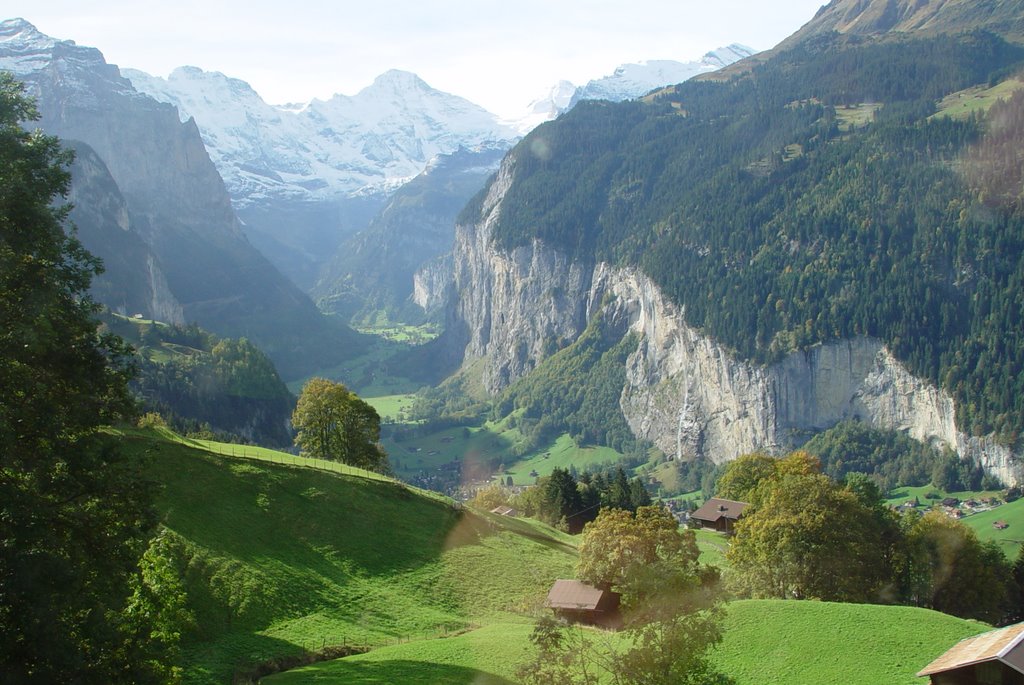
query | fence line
(228,449)
(274,457)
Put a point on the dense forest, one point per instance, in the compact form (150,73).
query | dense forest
(816,198)
(576,390)
(204,385)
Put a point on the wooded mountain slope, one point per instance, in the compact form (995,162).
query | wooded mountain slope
(814,199)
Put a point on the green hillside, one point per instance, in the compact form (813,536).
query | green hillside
(277,559)
(817,643)
(766,641)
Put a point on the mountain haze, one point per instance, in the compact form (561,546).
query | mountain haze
(303,178)
(175,199)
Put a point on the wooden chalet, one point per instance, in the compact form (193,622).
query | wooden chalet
(992,658)
(581,603)
(719,514)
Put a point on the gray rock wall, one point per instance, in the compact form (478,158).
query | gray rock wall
(684,391)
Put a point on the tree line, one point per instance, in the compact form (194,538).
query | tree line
(568,502)
(807,536)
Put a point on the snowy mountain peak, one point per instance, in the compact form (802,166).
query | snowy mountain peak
(626,82)
(381,136)
(21,32)
(630,81)
(723,57)
(28,54)
(397,80)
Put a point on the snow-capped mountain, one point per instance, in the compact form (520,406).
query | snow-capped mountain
(304,178)
(628,81)
(547,107)
(153,205)
(376,139)
(633,80)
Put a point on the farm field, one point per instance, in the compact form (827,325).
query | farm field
(788,642)
(1009,538)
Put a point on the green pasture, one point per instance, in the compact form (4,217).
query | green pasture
(388,406)
(712,546)
(856,116)
(1009,539)
(562,454)
(790,642)
(278,559)
(772,642)
(964,103)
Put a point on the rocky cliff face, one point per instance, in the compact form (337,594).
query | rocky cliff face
(133,280)
(684,391)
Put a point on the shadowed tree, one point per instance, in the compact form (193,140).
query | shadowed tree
(74,514)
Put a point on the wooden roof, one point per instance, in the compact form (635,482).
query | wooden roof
(1003,645)
(573,594)
(716,508)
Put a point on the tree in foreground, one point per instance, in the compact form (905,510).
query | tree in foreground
(332,423)
(672,610)
(74,514)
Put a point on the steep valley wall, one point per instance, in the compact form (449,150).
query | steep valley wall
(684,392)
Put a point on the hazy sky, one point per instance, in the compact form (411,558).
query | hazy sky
(499,55)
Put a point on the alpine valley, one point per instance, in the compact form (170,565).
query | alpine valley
(395,366)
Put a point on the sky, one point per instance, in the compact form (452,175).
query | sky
(500,55)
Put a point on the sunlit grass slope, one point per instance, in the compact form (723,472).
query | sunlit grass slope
(766,642)
(277,559)
(819,643)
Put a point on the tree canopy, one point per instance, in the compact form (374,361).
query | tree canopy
(74,514)
(333,423)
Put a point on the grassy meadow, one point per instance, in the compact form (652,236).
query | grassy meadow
(278,559)
(766,642)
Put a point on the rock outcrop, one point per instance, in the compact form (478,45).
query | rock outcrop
(684,391)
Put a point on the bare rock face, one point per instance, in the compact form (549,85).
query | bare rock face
(684,391)
(133,280)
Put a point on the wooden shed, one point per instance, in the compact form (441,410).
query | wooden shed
(581,603)
(719,514)
(992,658)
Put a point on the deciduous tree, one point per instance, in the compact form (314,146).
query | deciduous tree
(807,537)
(333,423)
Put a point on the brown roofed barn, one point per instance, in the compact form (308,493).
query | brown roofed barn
(719,514)
(995,657)
(581,603)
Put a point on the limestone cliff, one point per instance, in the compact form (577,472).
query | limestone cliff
(684,392)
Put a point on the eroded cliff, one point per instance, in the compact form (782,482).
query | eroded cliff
(684,391)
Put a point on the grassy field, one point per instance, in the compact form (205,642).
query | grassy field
(562,454)
(962,104)
(278,559)
(766,642)
(856,116)
(712,547)
(388,406)
(1009,539)
(819,643)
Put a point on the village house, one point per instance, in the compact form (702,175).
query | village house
(578,602)
(719,514)
(995,657)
